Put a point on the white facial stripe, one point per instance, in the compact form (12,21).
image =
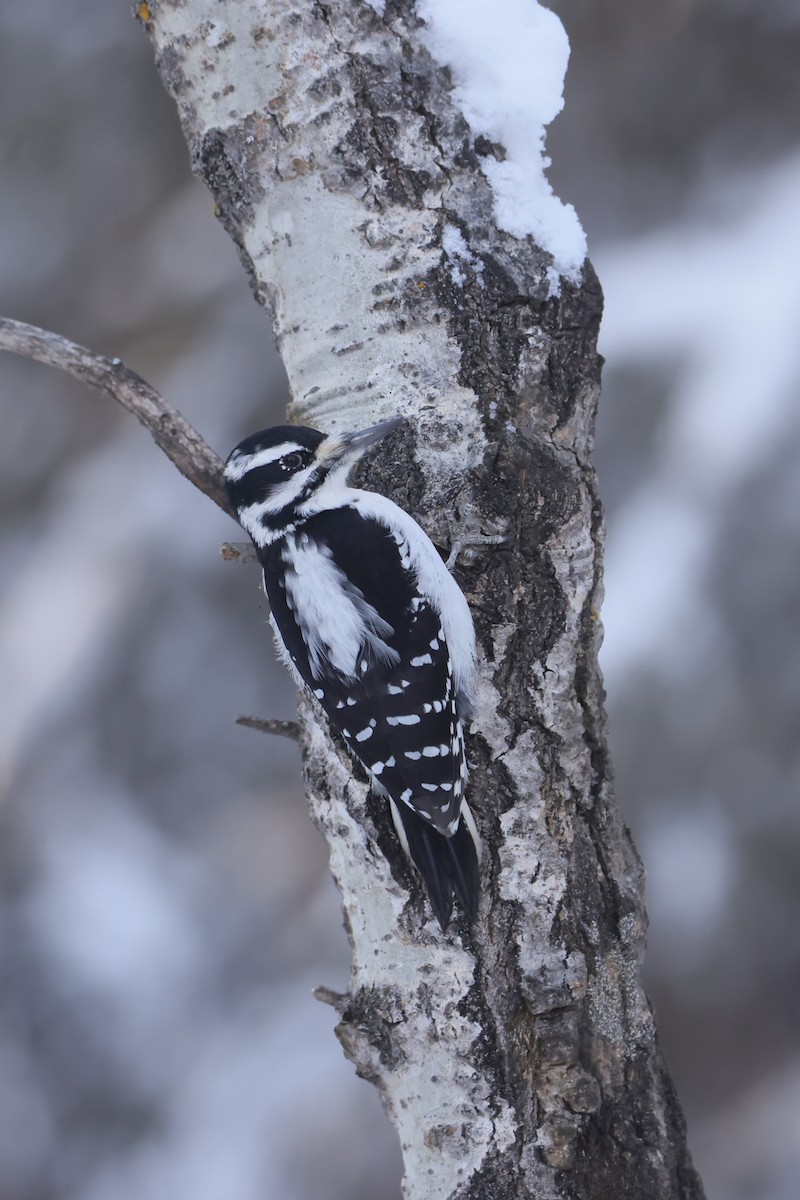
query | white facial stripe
(238,467)
(280,497)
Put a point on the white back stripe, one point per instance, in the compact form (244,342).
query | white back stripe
(336,622)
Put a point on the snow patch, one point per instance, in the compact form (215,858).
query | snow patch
(457,250)
(508,62)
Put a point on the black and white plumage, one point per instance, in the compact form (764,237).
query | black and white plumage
(370,623)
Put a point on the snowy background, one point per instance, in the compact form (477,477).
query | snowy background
(164,904)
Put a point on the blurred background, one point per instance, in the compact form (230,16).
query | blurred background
(165,908)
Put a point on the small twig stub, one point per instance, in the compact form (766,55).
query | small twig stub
(238,552)
(287,729)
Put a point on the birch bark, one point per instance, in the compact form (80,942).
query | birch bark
(518,1059)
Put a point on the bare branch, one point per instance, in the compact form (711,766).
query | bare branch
(287,729)
(171,432)
(326,995)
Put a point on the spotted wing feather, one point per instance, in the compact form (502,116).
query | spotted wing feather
(397,710)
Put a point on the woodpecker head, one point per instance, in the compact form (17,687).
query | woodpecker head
(272,474)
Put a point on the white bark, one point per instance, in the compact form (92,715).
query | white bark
(517,1059)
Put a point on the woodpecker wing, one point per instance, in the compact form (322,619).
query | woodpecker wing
(371,649)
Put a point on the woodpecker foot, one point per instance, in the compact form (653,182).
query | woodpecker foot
(472,541)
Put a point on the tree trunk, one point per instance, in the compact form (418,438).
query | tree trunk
(517,1058)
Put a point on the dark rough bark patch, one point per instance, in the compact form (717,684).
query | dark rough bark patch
(169,62)
(629,1166)
(226,167)
(225,161)
(368,1017)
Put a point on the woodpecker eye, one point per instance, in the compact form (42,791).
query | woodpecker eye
(292,462)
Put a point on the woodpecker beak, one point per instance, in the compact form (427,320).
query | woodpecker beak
(345,449)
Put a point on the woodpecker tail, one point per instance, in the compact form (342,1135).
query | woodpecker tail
(447,865)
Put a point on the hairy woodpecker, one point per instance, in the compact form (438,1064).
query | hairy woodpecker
(370,623)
